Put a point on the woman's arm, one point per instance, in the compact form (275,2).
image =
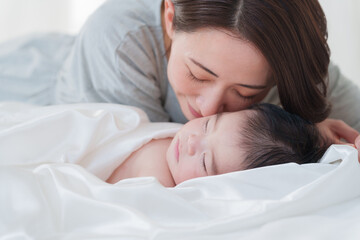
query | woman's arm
(344,119)
(344,96)
(336,130)
(117,58)
(357,145)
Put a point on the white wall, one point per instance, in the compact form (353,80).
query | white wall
(343,18)
(18,17)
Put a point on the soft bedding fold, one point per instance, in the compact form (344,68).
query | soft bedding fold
(54,188)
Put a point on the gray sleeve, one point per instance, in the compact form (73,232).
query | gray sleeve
(140,83)
(108,64)
(345,98)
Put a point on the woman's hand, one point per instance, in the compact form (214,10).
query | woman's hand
(336,130)
(357,145)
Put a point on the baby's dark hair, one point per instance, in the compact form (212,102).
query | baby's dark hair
(274,136)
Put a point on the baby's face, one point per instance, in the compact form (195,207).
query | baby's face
(207,146)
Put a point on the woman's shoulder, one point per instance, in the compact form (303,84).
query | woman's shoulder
(128,30)
(123,16)
(338,81)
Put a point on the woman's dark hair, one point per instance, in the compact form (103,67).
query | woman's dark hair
(291,35)
(273,136)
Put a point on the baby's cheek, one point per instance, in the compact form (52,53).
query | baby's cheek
(190,173)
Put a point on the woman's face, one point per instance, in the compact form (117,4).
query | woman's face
(207,146)
(212,72)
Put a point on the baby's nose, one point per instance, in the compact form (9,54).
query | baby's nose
(193,144)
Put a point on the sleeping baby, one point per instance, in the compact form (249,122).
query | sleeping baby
(115,142)
(259,136)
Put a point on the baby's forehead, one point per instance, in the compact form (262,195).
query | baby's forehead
(234,122)
(238,123)
(242,115)
(228,150)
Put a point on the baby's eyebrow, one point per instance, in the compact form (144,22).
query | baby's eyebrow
(217,118)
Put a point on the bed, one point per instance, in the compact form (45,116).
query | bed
(53,162)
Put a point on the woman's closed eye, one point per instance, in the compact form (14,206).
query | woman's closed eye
(195,79)
(238,94)
(244,97)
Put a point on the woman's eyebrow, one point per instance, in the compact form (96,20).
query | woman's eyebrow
(203,67)
(253,86)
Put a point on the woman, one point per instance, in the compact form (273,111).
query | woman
(179,60)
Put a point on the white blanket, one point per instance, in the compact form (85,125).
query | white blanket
(54,188)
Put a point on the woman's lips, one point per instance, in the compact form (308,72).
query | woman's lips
(177,153)
(194,113)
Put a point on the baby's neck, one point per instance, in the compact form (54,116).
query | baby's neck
(149,160)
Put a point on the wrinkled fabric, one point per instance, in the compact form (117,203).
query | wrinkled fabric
(55,189)
(99,137)
(29,66)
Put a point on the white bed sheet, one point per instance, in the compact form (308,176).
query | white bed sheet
(45,195)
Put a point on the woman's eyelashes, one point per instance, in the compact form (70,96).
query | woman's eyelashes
(238,94)
(244,97)
(192,77)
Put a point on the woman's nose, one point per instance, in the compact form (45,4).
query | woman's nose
(210,104)
(194,144)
